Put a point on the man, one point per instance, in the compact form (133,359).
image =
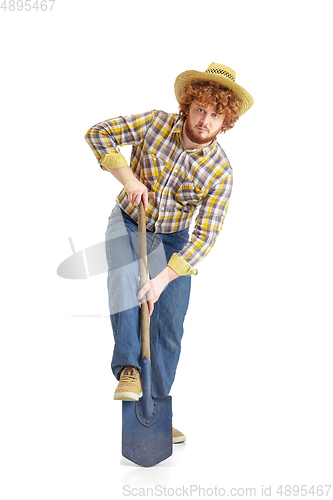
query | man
(177,158)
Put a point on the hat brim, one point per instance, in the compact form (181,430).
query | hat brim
(194,76)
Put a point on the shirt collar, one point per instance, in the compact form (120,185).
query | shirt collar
(178,126)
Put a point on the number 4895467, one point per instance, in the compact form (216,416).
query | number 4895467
(19,5)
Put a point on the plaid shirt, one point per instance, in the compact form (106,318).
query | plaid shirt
(181,179)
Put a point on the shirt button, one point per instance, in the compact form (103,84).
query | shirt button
(162,208)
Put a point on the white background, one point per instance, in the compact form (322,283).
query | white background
(253,391)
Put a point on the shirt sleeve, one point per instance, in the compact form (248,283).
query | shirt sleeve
(208,225)
(105,137)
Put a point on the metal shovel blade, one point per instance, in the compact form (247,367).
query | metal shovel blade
(147,425)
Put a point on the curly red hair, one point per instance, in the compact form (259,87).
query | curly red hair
(211,94)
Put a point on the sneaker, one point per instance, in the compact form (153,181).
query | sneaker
(129,387)
(177,436)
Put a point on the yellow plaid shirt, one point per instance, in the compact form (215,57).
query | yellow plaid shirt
(182,180)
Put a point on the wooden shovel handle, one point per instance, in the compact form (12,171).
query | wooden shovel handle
(143,266)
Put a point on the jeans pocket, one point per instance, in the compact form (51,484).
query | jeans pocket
(116,212)
(183,234)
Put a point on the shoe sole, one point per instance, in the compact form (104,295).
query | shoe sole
(180,439)
(127,396)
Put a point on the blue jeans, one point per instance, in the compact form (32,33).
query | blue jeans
(166,321)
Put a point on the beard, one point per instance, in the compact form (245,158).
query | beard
(196,137)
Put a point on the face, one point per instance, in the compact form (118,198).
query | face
(202,124)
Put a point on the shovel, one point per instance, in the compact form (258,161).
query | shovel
(147,423)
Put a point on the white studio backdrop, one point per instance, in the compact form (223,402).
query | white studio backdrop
(253,388)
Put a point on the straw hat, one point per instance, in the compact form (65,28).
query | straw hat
(220,74)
